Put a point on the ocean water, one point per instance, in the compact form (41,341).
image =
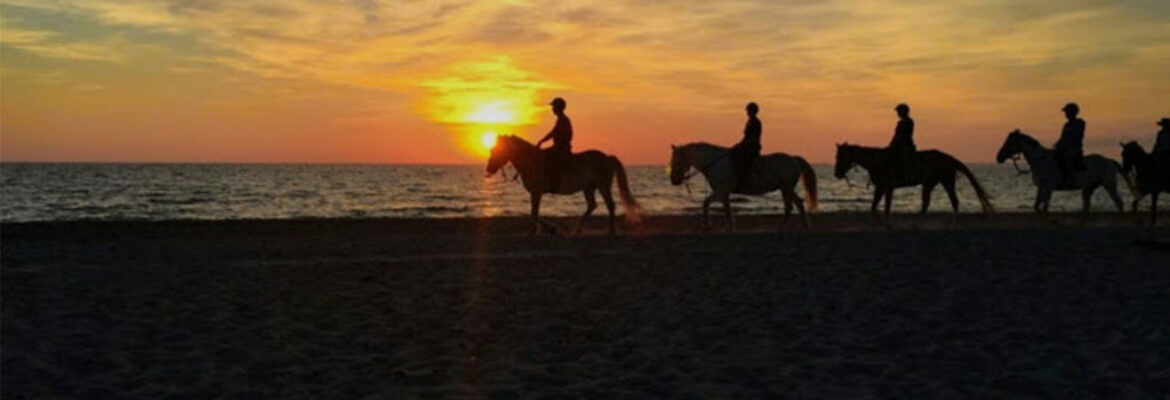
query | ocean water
(51,192)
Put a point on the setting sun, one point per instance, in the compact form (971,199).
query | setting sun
(488,140)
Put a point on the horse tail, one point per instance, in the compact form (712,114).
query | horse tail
(809,178)
(984,199)
(1133,189)
(633,210)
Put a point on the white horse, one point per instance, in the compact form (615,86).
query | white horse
(1099,171)
(770,172)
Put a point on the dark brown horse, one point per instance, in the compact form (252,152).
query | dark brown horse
(934,167)
(1148,181)
(590,172)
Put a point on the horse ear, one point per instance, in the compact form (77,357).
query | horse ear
(673,147)
(1120,143)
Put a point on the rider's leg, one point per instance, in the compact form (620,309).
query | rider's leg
(552,170)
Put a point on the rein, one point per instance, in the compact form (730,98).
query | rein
(697,170)
(1019,171)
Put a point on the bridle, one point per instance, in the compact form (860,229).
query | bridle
(686,179)
(1019,171)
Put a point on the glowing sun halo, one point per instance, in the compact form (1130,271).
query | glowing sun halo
(487,140)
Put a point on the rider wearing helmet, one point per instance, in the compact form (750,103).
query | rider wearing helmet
(744,153)
(903,142)
(557,156)
(1070,147)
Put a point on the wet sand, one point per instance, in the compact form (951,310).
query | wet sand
(1008,306)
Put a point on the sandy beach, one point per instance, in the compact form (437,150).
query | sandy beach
(1008,306)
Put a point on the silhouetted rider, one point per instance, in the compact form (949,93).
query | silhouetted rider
(744,153)
(1070,146)
(1161,150)
(903,142)
(557,156)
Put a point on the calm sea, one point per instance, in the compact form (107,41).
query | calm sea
(53,192)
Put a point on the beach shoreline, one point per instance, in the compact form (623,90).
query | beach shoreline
(1009,306)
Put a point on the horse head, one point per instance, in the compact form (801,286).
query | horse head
(1132,154)
(501,154)
(1012,145)
(845,160)
(678,165)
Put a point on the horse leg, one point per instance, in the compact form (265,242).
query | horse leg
(877,197)
(706,209)
(1116,198)
(1046,199)
(787,207)
(1136,200)
(1154,209)
(949,186)
(590,205)
(1039,199)
(1086,198)
(799,203)
(889,201)
(727,210)
(534,199)
(926,189)
(607,196)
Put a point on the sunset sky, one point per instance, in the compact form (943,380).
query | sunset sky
(415,81)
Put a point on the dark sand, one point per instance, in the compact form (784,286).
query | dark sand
(1011,306)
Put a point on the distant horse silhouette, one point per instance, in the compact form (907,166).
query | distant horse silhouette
(1100,171)
(934,167)
(772,172)
(1148,181)
(589,172)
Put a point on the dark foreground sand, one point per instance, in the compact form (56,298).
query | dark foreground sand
(1008,307)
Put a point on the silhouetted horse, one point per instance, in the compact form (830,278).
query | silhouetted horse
(771,172)
(590,171)
(1148,181)
(1099,171)
(934,167)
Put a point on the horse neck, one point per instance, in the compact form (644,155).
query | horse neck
(702,155)
(867,157)
(524,157)
(1031,148)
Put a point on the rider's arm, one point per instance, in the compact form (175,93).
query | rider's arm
(546,137)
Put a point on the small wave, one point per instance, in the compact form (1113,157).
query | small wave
(180,201)
(843,200)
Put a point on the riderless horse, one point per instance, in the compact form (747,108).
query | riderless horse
(1099,171)
(1148,180)
(771,172)
(589,172)
(934,167)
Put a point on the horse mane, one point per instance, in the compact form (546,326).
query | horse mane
(1027,139)
(1134,145)
(702,144)
(515,139)
(860,147)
